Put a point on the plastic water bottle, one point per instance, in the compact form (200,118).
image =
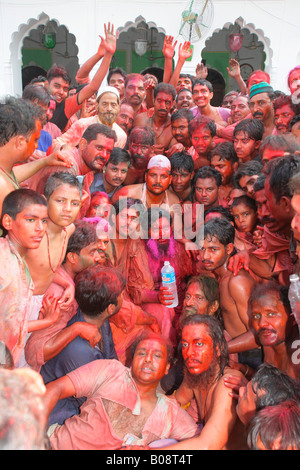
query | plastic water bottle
(294,297)
(169,281)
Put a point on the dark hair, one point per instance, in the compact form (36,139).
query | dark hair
(151,335)
(217,335)
(182,90)
(127,202)
(165,88)
(247,169)
(152,214)
(17,200)
(282,170)
(220,210)
(97,287)
(209,285)
(119,155)
(203,122)
(224,150)
(83,236)
(294,121)
(208,172)
(285,100)
(254,128)
(143,134)
(58,71)
(93,130)
(248,201)
(285,142)
(261,289)
(58,179)
(116,70)
(202,81)
(278,423)
(38,79)
(182,161)
(259,183)
(17,117)
(37,94)
(182,114)
(221,229)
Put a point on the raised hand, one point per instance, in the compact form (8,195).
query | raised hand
(234,68)
(169,47)
(109,44)
(184,51)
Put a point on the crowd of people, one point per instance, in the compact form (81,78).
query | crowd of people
(104,180)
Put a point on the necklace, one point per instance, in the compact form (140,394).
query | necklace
(62,251)
(12,178)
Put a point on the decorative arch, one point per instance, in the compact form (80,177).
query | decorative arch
(23,33)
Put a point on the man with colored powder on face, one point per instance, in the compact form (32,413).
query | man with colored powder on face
(261,106)
(205,356)
(140,146)
(247,137)
(224,159)
(137,416)
(284,111)
(202,131)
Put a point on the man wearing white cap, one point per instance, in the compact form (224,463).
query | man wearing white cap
(155,190)
(108,107)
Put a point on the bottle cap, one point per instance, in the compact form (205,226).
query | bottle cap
(167,263)
(294,277)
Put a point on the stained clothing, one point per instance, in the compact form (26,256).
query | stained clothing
(77,353)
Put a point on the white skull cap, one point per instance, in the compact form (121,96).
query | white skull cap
(108,89)
(159,161)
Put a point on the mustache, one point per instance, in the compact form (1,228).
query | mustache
(269,330)
(258,114)
(266,220)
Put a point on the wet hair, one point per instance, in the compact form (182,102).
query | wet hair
(97,287)
(155,336)
(246,200)
(202,81)
(209,285)
(254,128)
(119,155)
(37,94)
(118,70)
(259,183)
(165,88)
(251,168)
(278,423)
(294,184)
(93,130)
(16,201)
(38,79)
(182,161)
(220,210)
(142,134)
(84,235)
(58,71)
(17,117)
(225,151)
(221,229)
(182,114)
(282,170)
(271,286)
(285,142)
(203,122)
(59,178)
(208,172)
(216,333)
(285,100)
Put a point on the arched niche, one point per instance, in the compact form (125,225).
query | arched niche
(126,56)
(254,54)
(28,50)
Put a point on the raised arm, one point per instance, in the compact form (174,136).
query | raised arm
(108,45)
(184,53)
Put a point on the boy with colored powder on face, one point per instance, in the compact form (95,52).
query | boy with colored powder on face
(202,131)
(24,217)
(63,193)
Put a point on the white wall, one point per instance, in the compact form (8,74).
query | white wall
(275,20)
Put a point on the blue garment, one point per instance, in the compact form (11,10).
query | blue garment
(45,141)
(77,353)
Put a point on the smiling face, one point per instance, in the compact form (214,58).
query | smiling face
(239,109)
(150,362)
(58,88)
(185,100)
(96,153)
(201,95)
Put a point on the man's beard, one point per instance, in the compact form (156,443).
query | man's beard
(203,380)
(158,251)
(107,118)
